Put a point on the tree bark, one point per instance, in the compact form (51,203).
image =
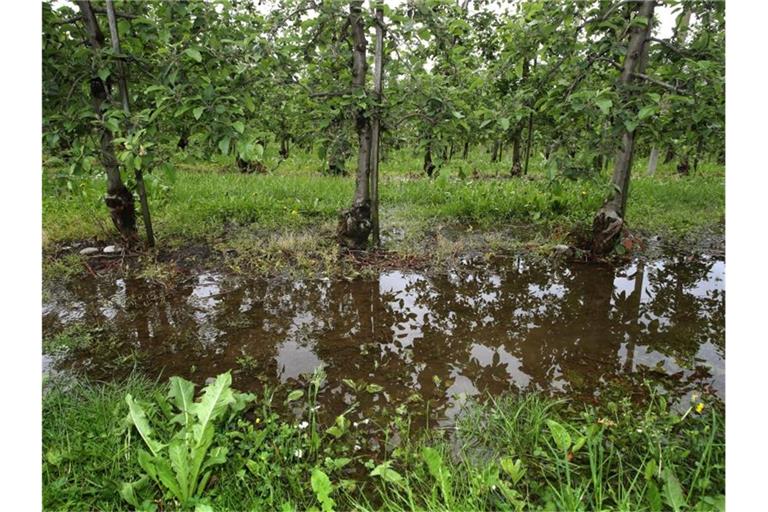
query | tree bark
(517,166)
(355,223)
(609,221)
(429,166)
(378,78)
(465,153)
(653,161)
(119,199)
(123,86)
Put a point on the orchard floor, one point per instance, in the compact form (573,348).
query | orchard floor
(448,354)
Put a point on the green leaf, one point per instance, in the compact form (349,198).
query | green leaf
(138,417)
(238,126)
(515,469)
(631,124)
(294,395)
(217,396)
(197,112)
(647,111)
(374,388)
(104,74)
(673,492)
(112,125)
(604,104)
(194,54)
(179,456)
(386,473)
(182,394)
(224,146)
(560,435)
(322,487)
(504,123)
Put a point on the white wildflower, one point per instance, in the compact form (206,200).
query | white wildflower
(303,425)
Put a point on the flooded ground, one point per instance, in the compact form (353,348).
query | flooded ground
(513,326)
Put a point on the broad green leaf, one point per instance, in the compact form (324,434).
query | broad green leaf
(504,123)
(238,126)
(182,394)
(646,111)
(673,492)
(194,54)
(217,396)
(138,417)
(294,395)
(179,457)
(630,125)
(104,74)
(386,473)
(515,469)
(197,112)
(322,487)
(604,104)
(373,388)
(224,146)
(560,435)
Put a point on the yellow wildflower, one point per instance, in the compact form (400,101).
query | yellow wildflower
(699,407)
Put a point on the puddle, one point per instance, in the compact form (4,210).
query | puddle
(507,328)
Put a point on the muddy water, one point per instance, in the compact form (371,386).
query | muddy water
(570,329)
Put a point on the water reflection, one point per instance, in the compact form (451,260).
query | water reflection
(513,327)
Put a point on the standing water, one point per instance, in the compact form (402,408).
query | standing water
(510,327)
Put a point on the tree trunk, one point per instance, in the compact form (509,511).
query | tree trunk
(495,152)
(355,223)
(530,134)
(670,155)
(123,86)
(465,153)
(517,166)
(609,220)
(378,78)
(653,161)
(429,167)
(119,199)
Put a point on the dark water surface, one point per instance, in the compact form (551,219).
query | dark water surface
(510,327)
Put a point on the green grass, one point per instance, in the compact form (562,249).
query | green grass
(525,452)
(210,200)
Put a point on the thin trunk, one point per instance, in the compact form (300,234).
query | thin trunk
(653,161)
(119,199)
(517,166)
(495,152)
(465,153)
(123,86)
(355,223)
(670,155)
(528,143)
(429,167)
(609,220)
(697,155)
(378,78)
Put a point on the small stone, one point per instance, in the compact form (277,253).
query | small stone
(88,251)
(110,249)
(209,380)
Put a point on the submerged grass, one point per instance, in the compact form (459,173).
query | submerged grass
(526,452)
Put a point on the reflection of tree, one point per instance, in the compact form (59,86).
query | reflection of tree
(478,331)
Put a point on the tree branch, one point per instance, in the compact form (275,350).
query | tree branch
(658,82)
